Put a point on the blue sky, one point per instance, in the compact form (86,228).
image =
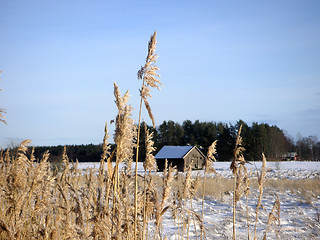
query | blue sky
(258,61)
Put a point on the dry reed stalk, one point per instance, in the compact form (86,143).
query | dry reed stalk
(274,218)
(66,167)
(125,205)
(1,157)
(40,203)
(125,130)
(14,192)
(39,174)
(247,192)
(110,176)
(124,136)
(109,164)
(151,202)
(77,208)
(208,168)
(178,208)
(105,152)
(192,191)
(190,187)
(7,157)
(17,183)
(67,207)
(149,164)
(168,176)
(149,79)
(185,195)
(37,205)
(241,182)
(261,181)
(149,76)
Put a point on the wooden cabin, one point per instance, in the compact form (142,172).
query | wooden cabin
(181,157)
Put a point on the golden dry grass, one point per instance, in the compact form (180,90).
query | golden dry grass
(219,186)
(37,204)
(114,203)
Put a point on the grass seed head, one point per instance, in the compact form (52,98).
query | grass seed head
(150,162)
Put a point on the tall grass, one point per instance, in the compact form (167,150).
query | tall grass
(149,76)
(38,204)
(114,203)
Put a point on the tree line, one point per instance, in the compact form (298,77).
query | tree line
(257,138)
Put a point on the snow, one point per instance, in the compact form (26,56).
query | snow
(299,216)
(277,170)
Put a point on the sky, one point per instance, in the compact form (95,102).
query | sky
(219,61)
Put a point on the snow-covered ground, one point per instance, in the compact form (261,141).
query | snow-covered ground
(299,216)
(276,170)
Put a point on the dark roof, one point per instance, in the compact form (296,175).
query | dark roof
(173,152)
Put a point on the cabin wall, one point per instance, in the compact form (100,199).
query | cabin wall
(195,159)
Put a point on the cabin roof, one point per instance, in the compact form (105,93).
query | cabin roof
(173,152)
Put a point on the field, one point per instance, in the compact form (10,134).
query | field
(96,200)
(129,200)
(297,184)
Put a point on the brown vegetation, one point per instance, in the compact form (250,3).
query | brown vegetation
(115,203)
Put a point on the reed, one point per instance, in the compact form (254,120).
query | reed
(207,169)
(261,180)
(113,202)
(239,170)
(274,219)
(148,75)
(149,164)
(38,204)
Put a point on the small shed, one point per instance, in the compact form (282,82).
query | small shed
(181,157)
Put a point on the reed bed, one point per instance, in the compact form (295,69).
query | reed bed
(38,202)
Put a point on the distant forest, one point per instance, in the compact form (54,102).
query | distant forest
(257,138)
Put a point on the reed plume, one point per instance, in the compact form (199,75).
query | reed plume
(209,167)
(261,180)
(125,130)
(148,75)
(105,153)
(123,137)
(168,176)
(36,204)
(151,203)
(274,218)
(150,163)
(241,179)
(66,166)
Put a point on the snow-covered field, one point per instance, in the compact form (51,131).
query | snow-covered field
(278,170)
(275,170)
(299,216)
